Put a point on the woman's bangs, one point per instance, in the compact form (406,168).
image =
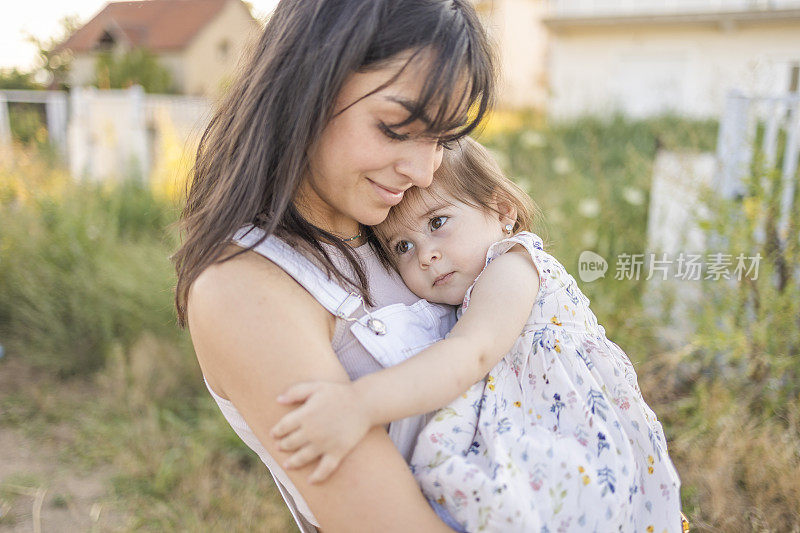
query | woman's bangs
(459,90)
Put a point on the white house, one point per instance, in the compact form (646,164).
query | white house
(644,57)
(198,41)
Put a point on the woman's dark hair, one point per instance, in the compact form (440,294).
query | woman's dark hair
(253,154)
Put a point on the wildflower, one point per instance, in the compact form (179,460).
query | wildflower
(561,165)
(633,196)
(532,139)
(589,207)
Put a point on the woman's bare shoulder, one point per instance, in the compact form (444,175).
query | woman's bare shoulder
(249,301)
(246,271)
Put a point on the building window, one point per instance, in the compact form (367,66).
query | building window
(106,41)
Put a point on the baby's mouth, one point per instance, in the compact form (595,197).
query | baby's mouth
(444,278)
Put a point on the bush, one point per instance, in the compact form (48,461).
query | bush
(84,267)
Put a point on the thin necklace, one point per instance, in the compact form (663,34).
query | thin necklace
(350,239)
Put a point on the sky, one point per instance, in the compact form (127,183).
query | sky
(40,18)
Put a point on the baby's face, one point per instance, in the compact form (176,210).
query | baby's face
(439,245)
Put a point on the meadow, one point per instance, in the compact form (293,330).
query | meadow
(96,371)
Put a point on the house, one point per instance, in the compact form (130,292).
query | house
(645,57)
(198,41)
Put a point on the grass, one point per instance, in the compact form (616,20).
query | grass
(86,307)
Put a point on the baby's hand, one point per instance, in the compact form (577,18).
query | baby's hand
(329,424)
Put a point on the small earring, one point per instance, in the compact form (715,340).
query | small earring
(508,228)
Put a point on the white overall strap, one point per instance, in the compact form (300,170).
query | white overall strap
(325,290)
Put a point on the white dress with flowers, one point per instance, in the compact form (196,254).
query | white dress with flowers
(557,437)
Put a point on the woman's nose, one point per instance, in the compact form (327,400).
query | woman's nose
(420,162)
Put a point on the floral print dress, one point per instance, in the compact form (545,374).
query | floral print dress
(557,436)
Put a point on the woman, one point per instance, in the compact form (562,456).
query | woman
(343,106)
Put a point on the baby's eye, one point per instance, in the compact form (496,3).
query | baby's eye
(402,247)
(437,222)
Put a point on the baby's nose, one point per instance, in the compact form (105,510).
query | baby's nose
(429,257)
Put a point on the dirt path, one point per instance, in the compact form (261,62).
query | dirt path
(39,490)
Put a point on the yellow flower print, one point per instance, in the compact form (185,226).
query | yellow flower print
(650,459)
(517,404)
(555,321)
(581,469)
(586,479)
(491,386)
(650,529)
(440,501)
(649,469)
(556,347)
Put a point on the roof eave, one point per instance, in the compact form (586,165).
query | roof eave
(716,18)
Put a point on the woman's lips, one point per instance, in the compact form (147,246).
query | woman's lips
(389,196)
(444,278)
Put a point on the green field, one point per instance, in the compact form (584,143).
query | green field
(97,375)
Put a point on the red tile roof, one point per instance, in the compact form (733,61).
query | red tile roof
(158,25)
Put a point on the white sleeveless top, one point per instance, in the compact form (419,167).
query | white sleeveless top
(410,326)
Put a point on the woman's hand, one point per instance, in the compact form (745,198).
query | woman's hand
(331,421)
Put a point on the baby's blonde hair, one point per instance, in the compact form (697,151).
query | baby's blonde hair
(469,174)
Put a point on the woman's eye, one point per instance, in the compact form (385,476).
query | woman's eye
(392,134)
(402,247)
(437,222)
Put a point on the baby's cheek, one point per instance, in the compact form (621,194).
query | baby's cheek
(415,284)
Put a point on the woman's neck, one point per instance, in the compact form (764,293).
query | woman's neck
(346,229)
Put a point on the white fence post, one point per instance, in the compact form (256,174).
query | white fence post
(5,125)
(138,133)
(78,141)
(56,113)
(789,170)
(734,146)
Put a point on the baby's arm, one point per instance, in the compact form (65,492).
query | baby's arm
(335,416)
(500,304)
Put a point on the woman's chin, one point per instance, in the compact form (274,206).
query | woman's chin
(373,217)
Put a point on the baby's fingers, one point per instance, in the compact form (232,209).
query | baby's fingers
(289,423)
(327,465)
(301,458)
(298,392)
(293,441)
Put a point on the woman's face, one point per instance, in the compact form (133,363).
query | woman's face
(359,167)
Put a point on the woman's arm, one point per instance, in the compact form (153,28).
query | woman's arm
(500,304)
(255,332)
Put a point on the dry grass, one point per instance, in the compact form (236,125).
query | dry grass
(173,462)
(739,470)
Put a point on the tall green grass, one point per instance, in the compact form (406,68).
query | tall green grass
(84,268)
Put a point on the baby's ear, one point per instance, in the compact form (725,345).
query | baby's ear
(505,209)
